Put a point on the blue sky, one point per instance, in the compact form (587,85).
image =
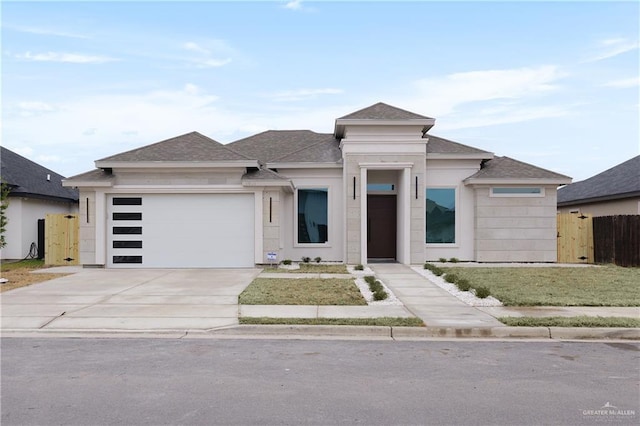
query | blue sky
(552,84)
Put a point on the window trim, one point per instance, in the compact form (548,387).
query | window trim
(516,194)
(456,242)
(295,217)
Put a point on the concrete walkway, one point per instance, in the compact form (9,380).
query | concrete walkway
(435,306)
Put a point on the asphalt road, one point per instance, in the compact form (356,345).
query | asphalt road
(210,381)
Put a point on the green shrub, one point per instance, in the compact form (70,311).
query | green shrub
(359,268)
(318,259)
(450,278)
(376,286)
(306,259)
(380,294)
(442,260)
(286,262)
(463,285)
(437,271)
(370,279)
(482,292)
(454,260)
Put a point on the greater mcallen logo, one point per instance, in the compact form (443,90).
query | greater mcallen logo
(609,412)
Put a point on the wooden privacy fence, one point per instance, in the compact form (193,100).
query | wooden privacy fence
(617,239)
(61,239)
(575,238)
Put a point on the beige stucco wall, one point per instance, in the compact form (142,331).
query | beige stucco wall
(232,176)
(271,212)
(606,208)
(87,213)
(515,229)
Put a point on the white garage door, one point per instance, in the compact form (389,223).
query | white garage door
(181,230)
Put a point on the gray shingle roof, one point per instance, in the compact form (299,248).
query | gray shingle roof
(98,175)
(29,179)
(621,181)
(508,168)
(263,174)
(289,146)
(382,111)
(188,147)
(438,145)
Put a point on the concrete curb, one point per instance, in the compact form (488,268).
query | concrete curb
(346,333)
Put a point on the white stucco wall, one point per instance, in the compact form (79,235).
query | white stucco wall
(450,174)
(309,178)
(22,226)
(516,229)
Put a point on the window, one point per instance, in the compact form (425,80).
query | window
(126,201)
(127,216)
(514,191)
(124,230)
(313,208)
(386,187)
(441,215)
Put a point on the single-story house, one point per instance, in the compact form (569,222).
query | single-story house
(35,191)
(380,187)
(613,192)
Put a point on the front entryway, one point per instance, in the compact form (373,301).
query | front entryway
(381,226)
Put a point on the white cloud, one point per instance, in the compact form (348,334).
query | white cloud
(609,48)
(624,83)
(293,5)
(74,58)
(302,94)
(35,106)
(44,31)
(443,95)
(208,57)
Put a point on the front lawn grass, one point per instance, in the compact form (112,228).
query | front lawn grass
(553,286)
(581,321)
(382,321)
(19,274)
(303,291)
(310,268)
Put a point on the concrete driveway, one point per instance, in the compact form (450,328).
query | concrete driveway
(146,300)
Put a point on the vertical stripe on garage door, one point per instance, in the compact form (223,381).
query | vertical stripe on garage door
(181,230)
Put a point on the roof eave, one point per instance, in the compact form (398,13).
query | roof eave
(612,197)
(71,183)
(426,123)
(287,185)
(517,181)
(43,197)
(303,165)
(460,156)
(174,164)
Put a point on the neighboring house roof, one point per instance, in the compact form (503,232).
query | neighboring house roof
(289,146)
(29,179)
(438,145)
(509,170)
(621,181)
(382,111)
(188,147)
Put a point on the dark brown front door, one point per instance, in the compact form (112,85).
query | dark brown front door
(381,226)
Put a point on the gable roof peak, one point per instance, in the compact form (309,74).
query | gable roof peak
(189,147)
(382,111)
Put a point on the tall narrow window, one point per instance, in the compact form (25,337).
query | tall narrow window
(313,213)
(441,215)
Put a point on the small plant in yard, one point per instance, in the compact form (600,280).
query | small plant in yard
(286,262)
(454,260)
(482,292)
(463,285)
(442,260)
(433,268)
(359,268)
(450,277)
(380,295)
(370,279)
(306,259)
(318,259)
